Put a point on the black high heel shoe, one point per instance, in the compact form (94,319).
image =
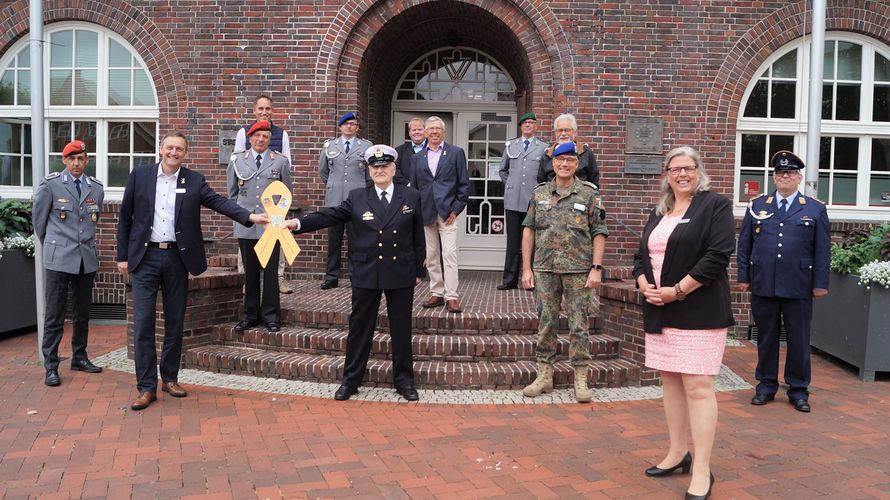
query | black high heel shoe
(684,464)
(690,496)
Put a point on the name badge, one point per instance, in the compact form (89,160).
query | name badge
(683,221)
(579,207)
(180,190)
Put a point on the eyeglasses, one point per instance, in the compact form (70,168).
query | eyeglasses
(682,168)
(565,130)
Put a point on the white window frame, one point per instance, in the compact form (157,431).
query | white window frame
(865,129)
(102,114)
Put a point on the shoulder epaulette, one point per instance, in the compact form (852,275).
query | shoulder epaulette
(97,181)
(238,151)
(816,199)
(52,175)
(541,184)
(588,183)
(327,143)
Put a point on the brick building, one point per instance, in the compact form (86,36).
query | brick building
(726,77)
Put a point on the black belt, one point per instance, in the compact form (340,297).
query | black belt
(164,245)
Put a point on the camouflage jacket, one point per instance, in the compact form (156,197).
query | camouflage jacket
(565,226)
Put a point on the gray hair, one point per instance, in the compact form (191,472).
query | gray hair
(434,119)
(566,117)
(667,199)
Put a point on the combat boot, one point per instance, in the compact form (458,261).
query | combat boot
(582,393)
(543,382)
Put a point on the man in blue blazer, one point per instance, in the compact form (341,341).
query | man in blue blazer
(159,242)
(439,172)
(386,253)
(783,256)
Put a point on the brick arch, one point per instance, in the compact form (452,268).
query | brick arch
(129,23)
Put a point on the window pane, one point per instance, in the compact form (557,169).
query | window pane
(751,185)
(119,137)
(60,87)
(847,102)
(844,189)
(60,49)
(118,170)
(55,163)
(497,133)
(7,88)
(846,153)
(828,65)
(780,143)
(822,192)
(880,155)
(86,132)
(144,137)
(786,66)
(59,135)
(118,56)
(881,104)
(849,61)
(85,85)
(824,153)
(24,92)
(119,87)
(86,49)
(9,170)
(879,191)
(10,138)
(756,106)
(827,101)
(753,150)
(25,58)
(27,174)
(27,138)
(142,93)
(143,160)
(783,99)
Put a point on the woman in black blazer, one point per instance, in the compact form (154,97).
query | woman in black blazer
(681,269)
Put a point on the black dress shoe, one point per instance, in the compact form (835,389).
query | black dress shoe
(244,324)
(52,378)
(409,393)
(690,496)
(800,404)
(506,286)
(84,365)
(328,284)
(343,393)
(684,464)
(273,326)
(760,398)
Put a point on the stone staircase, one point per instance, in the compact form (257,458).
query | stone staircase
(489,346)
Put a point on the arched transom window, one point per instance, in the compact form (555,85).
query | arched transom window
(456,74)
(854,159)
(97,89)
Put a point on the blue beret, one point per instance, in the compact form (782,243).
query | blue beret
(785,160)
(567,148)
(380,153)
(345,118)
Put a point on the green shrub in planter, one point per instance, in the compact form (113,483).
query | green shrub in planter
(15,218)
(859,248)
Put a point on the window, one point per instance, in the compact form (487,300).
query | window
(854,149)
(456,74)
(97,90)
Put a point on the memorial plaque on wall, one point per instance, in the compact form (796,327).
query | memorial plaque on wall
(644,135)
(649,165)
(226,145)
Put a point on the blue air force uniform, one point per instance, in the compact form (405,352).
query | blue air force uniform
(784,256)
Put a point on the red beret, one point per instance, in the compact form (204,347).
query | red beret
(74,147)
(260,125)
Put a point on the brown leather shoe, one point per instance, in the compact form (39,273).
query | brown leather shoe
(144,400)
(283,287)
(434,301)
(453,306)
(174,389)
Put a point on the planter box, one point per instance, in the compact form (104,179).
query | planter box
(17,291)
(852,323)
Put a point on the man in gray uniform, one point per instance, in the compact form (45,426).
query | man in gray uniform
(342,167)
(66,211)
(249,174)
(519,169)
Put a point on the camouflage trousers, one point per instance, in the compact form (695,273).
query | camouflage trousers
(550,290)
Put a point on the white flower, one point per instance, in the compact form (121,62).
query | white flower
(26,244)
(875,273)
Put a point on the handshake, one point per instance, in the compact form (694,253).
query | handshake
(264,220)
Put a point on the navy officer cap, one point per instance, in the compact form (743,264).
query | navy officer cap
(567,148)
(380,154)
(785,160)
(345,118)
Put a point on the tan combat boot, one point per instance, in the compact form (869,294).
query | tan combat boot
(543,382)
(582,393)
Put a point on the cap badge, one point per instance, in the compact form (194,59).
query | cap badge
(783,162)
(378,153)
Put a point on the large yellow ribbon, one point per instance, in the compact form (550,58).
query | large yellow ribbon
(275,230)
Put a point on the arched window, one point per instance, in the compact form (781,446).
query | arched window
(456,74)
(97,89)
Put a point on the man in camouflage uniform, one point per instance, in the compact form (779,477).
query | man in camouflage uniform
(565,232)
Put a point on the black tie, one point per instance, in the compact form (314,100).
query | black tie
(259,160)
(783,208)
(77,186)
(347,147)
(526,145)
(384,200)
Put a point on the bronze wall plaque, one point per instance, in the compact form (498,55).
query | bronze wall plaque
(644,135)
(647,165)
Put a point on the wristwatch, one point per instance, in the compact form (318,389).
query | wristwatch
(681,295)
(598,267)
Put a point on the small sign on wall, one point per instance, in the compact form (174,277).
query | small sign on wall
(226,145)
(750,189)
(646,165)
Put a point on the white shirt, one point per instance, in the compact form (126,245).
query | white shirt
(254,153)
(389,191)
(163,227)
(241,143)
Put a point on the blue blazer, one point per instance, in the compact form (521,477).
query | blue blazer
(137,216)
(449,190)
(784,256)
(387,247)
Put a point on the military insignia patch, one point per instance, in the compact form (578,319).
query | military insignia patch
(94,217)
(407,210)
(368,215)
(182,181)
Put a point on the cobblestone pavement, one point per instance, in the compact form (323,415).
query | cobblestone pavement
(81,440)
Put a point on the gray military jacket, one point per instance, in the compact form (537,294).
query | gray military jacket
(340,171)
(246,184)
(519,171)
(66,224)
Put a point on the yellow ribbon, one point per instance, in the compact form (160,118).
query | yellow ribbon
(275,230)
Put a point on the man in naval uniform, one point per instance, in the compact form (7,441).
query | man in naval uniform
(66,211)
(519,169)
(783,257)
(566,129)
(342,167)
(248,175)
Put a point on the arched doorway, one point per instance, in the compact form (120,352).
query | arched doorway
(476,98)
